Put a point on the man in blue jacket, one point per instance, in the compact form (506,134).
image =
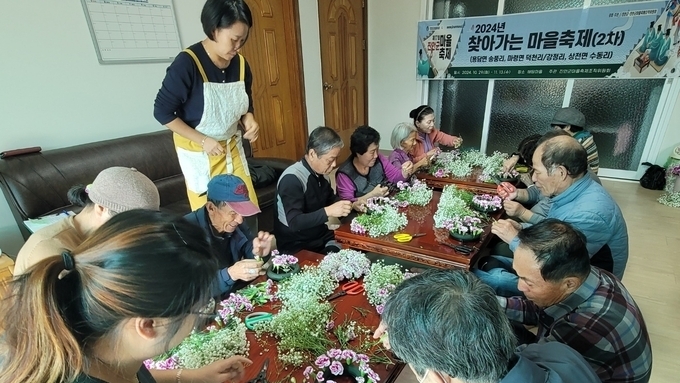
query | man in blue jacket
(560,167)
(237,250)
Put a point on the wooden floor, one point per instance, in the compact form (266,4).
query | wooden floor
(652,274)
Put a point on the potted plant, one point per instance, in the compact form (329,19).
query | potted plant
(337,363)
(487,203)
(283,266)
(465,228)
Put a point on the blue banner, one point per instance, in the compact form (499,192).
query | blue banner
(634,40)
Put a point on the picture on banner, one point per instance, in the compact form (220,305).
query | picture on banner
(634,40)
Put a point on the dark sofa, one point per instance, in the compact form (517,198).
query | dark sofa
(36,184)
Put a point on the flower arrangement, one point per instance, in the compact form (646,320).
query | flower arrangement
(487,202)
(282,263)
(345,264)
(380,282)
(671,197)
(300,328)
(674,170)
(339,362)
(415,193)
(229,307)
(453,203)
(312,283)
(465,225)
(202,348)
(381,218)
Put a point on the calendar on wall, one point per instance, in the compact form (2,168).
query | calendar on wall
(133,31)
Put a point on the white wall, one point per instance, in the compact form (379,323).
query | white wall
(392,87)
(672,137)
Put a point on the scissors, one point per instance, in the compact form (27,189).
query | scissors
(257,317)
(463,249)
(405,237)
(262,376)
(351,288)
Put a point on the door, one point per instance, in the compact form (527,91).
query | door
(273,52)
(342,30)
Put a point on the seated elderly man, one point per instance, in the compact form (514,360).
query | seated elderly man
(239,253)
(576,304)
(561,173)
(305,199)
(449,328)
(366,173)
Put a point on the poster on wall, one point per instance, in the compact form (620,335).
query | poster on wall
(634,40)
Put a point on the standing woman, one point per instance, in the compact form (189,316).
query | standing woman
(206,93)
(131,291)
(428,136)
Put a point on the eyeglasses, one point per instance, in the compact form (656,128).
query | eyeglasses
(421,380)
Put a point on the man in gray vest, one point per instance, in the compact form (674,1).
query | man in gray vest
(305,199)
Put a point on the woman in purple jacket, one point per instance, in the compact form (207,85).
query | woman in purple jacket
(366,172)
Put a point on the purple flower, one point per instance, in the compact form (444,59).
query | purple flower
(373,376)
(380,308)
(322,361)
(334,353)
(363,358)
(349,354)
(319,376)
(359,379)
(330,325)
(336,368)
(308,371)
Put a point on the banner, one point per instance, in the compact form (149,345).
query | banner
(634,40)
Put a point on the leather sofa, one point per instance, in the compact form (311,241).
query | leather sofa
(36,184)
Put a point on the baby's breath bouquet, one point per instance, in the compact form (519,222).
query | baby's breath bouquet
(221,341)
(415,193)
(300,325)
(202,348)
(381,218)
(345,264)
(380,282)
(453,203)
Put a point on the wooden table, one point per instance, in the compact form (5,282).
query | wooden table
(344,310)
(423,250)
(468,183)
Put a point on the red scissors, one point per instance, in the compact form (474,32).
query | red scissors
(351,288)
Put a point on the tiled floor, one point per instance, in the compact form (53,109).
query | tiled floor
(652,274)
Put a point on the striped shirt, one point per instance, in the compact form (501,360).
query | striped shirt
(601,321)
(586,140)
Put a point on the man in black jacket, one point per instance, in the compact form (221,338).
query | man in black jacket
(305,199)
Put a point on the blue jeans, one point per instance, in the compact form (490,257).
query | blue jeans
(502,279)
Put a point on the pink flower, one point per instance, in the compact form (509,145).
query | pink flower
(319,376)
(308,371)
(363,358)
(336,368)
(380,308)
(322,361)
(359,379)
(373,376)
(349,354)
(334,353)
(330,325)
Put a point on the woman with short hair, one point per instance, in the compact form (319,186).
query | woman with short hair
(403,142)
(366,173)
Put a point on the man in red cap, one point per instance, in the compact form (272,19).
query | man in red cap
(238,251)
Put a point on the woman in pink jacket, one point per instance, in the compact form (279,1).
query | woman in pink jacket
(429,137)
